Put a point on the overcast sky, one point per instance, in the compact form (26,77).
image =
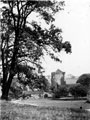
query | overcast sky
(75,23)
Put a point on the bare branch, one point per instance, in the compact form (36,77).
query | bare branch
(11,9)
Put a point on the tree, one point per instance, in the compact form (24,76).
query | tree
(78,90)
(25,41)
(26,76)
(41,83)
(84,80)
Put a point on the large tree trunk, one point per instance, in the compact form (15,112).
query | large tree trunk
(4,94)
(6,88)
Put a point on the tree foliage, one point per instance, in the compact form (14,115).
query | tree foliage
(61,91)
(24,40)
(78,91)
(42,83)
(84,80)
(27,76)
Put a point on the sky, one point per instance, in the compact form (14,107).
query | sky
(75,23)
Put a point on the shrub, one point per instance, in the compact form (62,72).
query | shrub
(15,92)
(78,91)
(62,91)
(46,96)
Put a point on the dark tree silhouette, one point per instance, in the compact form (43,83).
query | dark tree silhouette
(78,90)
(23,38)
(84,80)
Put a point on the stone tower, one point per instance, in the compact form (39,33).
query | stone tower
(57,78)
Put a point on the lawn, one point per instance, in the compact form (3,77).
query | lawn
(11,111)
(56,103)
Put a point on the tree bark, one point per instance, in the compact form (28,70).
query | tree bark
(6,88)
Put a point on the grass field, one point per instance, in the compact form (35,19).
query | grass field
(10,111)
(55,103)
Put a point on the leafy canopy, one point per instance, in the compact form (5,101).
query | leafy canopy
(24,39)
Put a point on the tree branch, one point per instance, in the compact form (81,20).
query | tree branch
(11,7)
(28,61)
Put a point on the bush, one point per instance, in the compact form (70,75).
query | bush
(62,91)
(78,91)
(46,96)
(15,92)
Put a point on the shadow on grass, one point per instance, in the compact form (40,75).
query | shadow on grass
(69,99)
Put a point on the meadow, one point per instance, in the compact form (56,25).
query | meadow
(12,111)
